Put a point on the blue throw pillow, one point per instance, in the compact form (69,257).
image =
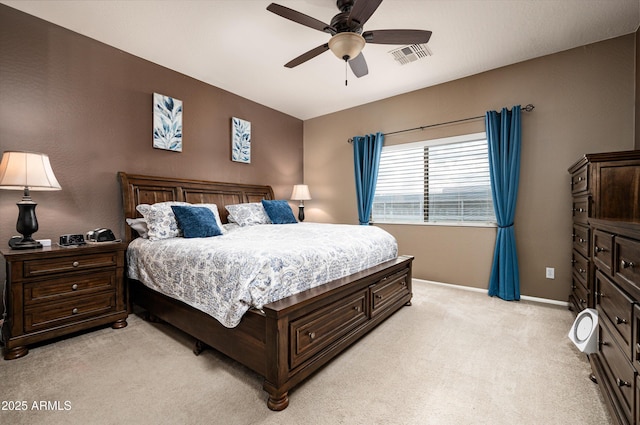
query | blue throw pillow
(279,212)
(196,222)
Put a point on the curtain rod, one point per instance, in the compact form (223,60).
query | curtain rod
(527,108)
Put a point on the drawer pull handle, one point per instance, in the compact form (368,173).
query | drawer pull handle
(581,240)
(604,343)
(582,270)
(403,283)
(580,209)
(620,321)
(74,311)
(597,249)
(583,301)
(627,264)
(357,308)
(75,264)
(74,287)
(378,296)
(312,335)
(622,383)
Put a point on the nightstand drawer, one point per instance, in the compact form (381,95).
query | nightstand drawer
(34,268)
(50,315)
(63,288)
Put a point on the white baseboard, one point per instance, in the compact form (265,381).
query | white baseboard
(473,289)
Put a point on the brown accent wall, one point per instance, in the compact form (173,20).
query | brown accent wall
(638,88)
(89,106)
(584,101)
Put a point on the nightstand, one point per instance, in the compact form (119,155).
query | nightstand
(55,291)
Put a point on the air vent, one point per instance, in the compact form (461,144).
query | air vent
(407,54)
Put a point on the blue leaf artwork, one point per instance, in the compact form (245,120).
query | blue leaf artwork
(167,123)
(240,140)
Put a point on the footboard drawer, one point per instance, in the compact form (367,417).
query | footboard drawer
(388,291)
(315,331)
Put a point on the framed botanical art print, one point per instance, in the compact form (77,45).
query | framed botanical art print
(240,140)
(167,123)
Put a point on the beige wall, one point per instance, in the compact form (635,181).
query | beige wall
(584,101)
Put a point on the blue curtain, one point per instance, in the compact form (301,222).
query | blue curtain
(504,138)
(366,159)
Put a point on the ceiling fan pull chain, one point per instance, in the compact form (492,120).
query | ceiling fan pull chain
(346,74)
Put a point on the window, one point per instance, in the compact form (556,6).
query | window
(436,181)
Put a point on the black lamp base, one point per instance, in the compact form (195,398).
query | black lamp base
(301,213)
(27,224)
(17,242)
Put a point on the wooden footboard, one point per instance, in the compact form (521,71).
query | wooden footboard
(297,335)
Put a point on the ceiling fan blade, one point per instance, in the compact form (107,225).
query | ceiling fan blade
(299,18)
(362,10)
(308,55)
(359,66)
(397,36)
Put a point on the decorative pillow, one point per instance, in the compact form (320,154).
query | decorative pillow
(139,225)
(279,212)
(216,214)
(196,221)
(248,214)
(161,221)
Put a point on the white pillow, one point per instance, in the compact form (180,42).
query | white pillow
(140,226)
(248,214)
(161,222)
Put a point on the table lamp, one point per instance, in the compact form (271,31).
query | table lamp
(26,171)
(300,193)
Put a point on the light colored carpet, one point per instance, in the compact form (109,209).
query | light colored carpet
(453,357)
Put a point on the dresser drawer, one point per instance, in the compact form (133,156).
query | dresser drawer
(627,260)
(581,293)
(602,250)
(636,336)
(581,239)
(580,267)
(617,307)
(579,180)
(35,268)
(315,331)
(388,291)
(619,371)
(54,314)
(72,285)
(580,209)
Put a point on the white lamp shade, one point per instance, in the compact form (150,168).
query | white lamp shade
(346,45)
(300,193)
(19,170)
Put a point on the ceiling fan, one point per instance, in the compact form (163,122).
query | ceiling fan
(347,36)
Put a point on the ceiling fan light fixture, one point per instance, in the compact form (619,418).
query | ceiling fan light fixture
(346,45)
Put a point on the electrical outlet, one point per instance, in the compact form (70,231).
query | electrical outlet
(551,273)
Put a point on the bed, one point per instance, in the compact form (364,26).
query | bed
(287,340)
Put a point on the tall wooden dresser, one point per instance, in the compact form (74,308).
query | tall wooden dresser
(606,271)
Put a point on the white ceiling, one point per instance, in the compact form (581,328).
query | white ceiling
(239,46)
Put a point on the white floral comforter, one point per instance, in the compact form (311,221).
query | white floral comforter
(252,266)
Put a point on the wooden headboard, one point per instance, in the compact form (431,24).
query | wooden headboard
(138,189)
